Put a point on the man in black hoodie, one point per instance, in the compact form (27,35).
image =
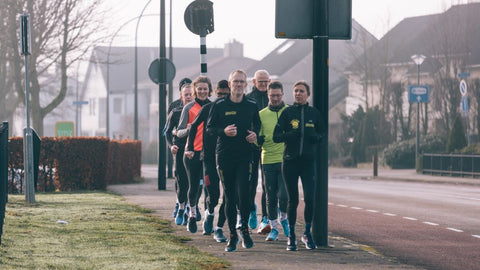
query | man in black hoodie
(299,127)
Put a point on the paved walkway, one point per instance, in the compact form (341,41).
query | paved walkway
(342,253)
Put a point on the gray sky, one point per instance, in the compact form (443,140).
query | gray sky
(252,22)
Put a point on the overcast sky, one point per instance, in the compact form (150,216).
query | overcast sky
(252,22)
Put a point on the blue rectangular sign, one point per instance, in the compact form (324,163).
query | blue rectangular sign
(418,93)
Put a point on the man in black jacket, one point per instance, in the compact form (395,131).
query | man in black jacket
(236,122)
(299,127)
(260,81)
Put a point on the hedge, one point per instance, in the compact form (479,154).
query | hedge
(76,163)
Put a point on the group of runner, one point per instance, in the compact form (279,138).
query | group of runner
(225,141)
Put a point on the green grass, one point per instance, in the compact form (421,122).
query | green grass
(103,232)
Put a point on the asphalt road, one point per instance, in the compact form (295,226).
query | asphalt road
(435,226)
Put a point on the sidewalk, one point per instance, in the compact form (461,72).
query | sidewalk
(342,253)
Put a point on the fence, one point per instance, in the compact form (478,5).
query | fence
(452,165)
(3,173)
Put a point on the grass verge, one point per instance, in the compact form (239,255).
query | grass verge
(92,230)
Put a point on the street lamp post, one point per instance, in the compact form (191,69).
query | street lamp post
(135,135)
(418,59)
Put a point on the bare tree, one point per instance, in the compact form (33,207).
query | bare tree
(62,32)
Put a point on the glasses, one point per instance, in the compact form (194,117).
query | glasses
(264,82)
(238,82)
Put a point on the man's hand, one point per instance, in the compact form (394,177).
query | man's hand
(252,136)
(189,154)
(230,130)
(174,149)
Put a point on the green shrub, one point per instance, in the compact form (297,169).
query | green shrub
(401,155)
(456,136)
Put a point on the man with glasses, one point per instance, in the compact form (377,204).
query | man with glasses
(272,156)
(236,122)
(259,94)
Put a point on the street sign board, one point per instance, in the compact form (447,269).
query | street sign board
(154,70)
(464,75)
(80,102)
(288,24)
(418,93)
(64,129)
(463,87)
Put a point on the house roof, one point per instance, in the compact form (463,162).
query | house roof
(454,32)
(122,68)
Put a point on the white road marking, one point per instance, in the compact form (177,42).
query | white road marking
(331,203)
(410,218)
(342,205)
(430,223)
(453,229)
(372,211)
(390,214)
(356,208)
(476,236)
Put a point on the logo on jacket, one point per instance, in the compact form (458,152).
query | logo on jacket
(294,123)
(231,113)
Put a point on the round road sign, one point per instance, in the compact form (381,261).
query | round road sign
(154,70)
(463,87)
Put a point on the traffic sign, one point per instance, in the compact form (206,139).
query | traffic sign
(154,70)
(463,87)
(464,104)
(64,129)
(464,75)
(198,17)
(418,93)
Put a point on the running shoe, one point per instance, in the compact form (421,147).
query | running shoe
(232,243)
(286,229)
(199,215)
(175,210)
(208,224)
(218,236)
(273,235)
(247,241)
(180,216)
(252,221)
(292,242)
(192,225)
(264,227)
(308,241)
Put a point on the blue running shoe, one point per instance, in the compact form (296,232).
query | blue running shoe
(252,221)
(175,210)
(208,223)
(273,235)
(232,243)
(219,237)
(180,216)
(286,229)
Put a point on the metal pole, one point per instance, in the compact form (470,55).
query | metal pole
(28,144)
(417,144)
(170,94)
(135,91)
(320,101)
(161,103)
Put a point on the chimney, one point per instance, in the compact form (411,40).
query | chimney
(233,49)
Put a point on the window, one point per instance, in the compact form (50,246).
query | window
(117,105)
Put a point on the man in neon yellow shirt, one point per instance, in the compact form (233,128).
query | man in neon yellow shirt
(271,157)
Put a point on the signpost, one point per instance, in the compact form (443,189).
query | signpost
(320,21)
(418,93)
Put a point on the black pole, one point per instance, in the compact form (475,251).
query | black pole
(320,101)
(170,92)
(161,102)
